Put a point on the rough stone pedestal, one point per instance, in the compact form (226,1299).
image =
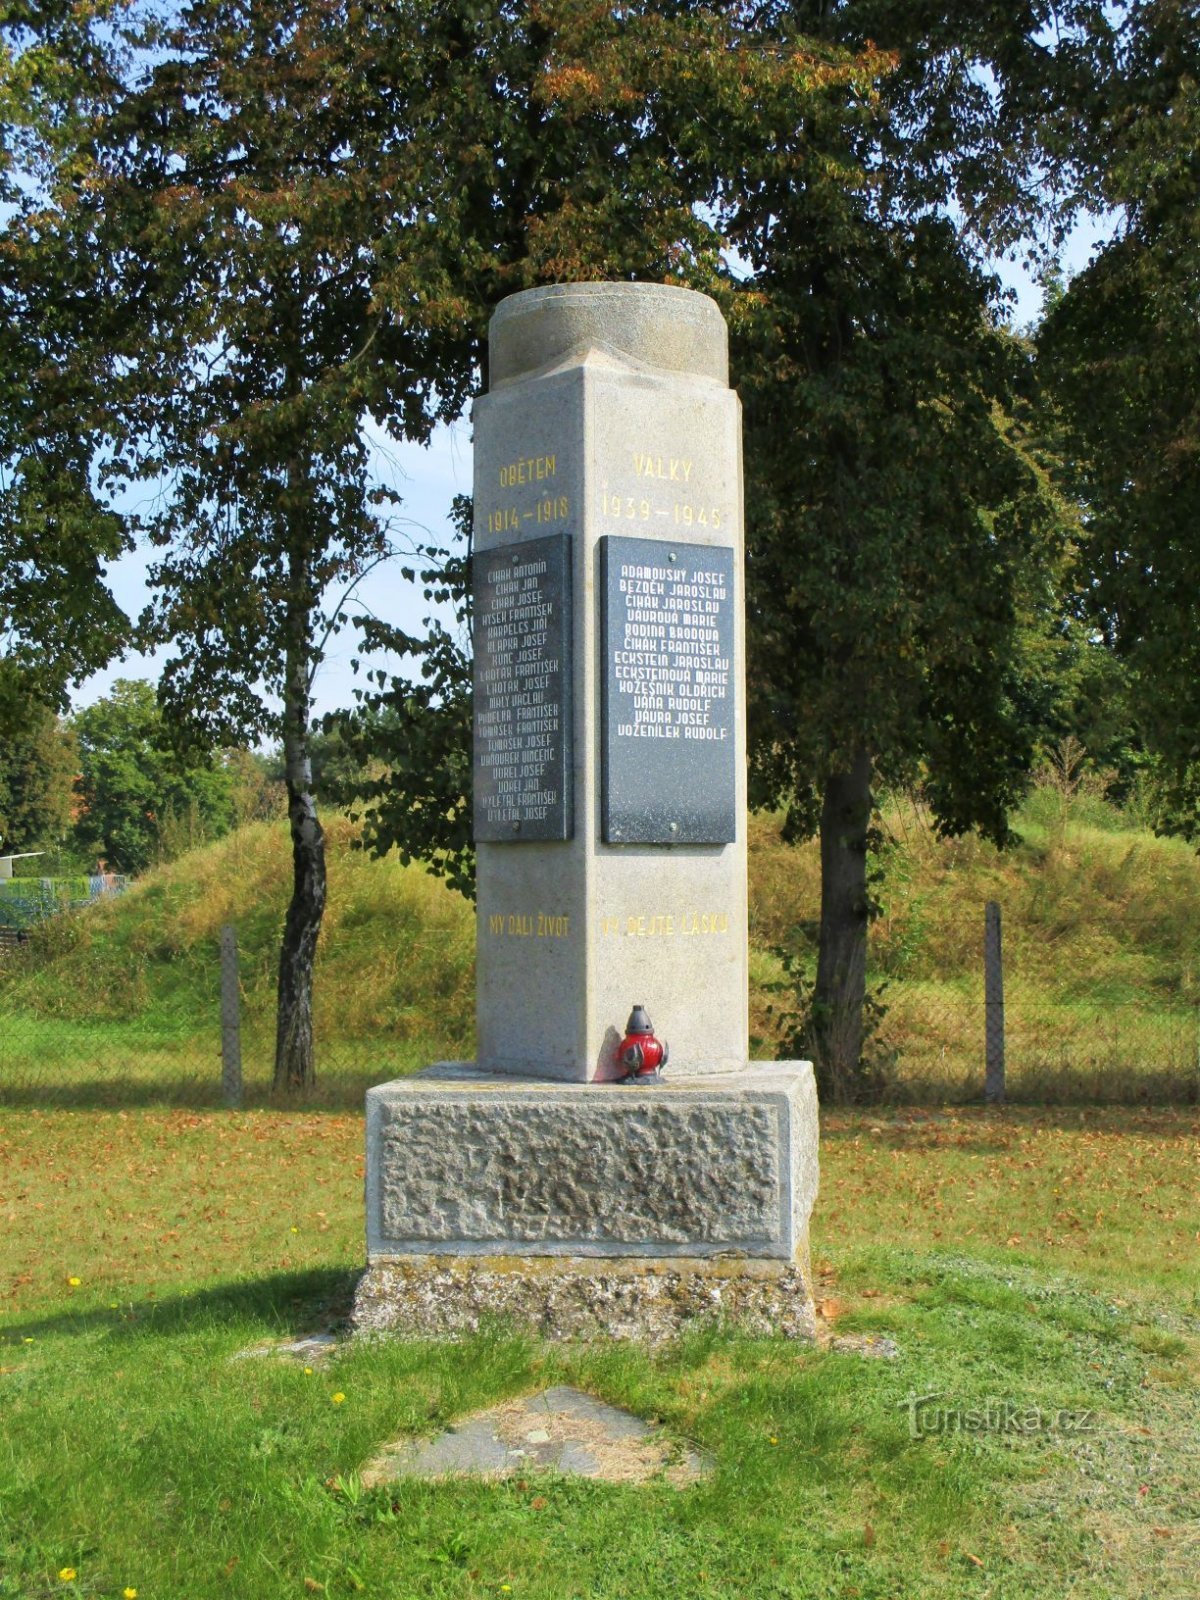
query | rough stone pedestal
(577,1210)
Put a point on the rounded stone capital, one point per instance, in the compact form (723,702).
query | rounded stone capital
(655,324)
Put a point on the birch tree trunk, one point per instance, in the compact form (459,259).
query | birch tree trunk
(295,1058)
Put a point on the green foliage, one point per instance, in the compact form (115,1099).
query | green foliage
(141,800)
(613,131)
(905,544)
(899,532)
(414,732)
(118,1004)
(58,619)
(37,784)
(123,997)
(797,1028)
(1120,347)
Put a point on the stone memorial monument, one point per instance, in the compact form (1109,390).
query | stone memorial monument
(542,1181)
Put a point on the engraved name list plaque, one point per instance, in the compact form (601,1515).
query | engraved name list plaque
(668,746)
(522,688)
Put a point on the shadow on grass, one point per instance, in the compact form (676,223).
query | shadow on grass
(293,1303)
(988,1130)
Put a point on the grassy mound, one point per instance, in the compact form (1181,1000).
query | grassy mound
(128,991)
(1101,976)
(1102,983)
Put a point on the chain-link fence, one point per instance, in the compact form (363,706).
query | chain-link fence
(1048,1007)
(155,1024)
(1062,1049)
(25,902)
(1089,1014)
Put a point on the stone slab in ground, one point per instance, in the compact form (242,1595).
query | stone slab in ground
(559,1430)
(876,1346)
(307,1347)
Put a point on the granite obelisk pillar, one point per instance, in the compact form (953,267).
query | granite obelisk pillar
(610,821)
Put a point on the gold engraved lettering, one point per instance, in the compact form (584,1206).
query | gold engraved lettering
(505,520)
(689,516)
(551,508)
(530,469)
(671,469)
(516,925)
(679,513)
(664,925)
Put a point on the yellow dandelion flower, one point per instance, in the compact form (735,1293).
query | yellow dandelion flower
(774,1440)
(128,1594)
(338,1398)
(74,1282)
(295,1230)
(308,1372)
(66,1573)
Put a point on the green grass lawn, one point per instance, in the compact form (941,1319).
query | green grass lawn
(1043,1259)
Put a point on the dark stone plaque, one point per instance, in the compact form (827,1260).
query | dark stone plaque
(522,745)
(669,761)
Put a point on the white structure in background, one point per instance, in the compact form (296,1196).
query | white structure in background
(6,862)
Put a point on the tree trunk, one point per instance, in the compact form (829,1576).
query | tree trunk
(295,1061)
(841,987)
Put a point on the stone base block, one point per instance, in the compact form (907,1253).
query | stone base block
(449,1297)
(580,1208)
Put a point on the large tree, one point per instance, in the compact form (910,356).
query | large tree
(900,539)
(1121,346)
(273,228)
(613,134)
(38,768)
(904,543)
(58,619)
(140,799)
(301,213)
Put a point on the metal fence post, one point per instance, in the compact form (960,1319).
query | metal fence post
(231,1021)
(993,988)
